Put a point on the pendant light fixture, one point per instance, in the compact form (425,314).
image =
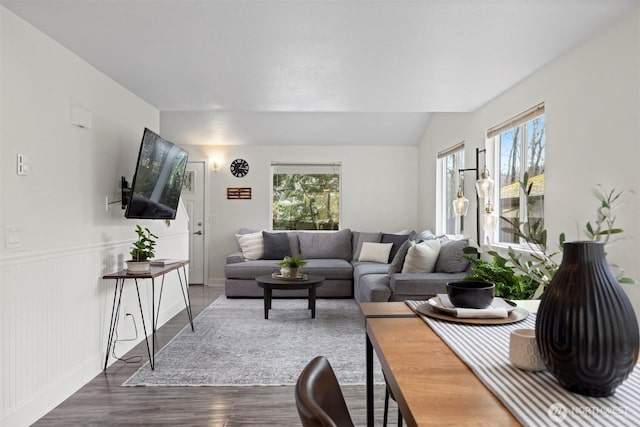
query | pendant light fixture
(484,185)
(460,204)
(484,190)
(489,221)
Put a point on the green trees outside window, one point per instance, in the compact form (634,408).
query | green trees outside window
(305,201)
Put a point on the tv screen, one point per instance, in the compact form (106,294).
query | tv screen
(157,182)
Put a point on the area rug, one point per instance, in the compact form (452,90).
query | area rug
(233,345)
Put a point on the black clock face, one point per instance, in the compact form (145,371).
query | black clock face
(239,167)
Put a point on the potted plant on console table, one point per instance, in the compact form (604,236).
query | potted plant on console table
(293,264)
(141,251)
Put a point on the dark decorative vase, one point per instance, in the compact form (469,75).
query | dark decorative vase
(586,328)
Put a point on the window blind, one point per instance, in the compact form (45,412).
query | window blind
(521,118)
(458,147)
(306,168)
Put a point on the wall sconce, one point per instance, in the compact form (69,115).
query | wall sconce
(215,165)
(484,189)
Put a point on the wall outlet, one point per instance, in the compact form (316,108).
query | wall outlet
(11,237)
(21,167)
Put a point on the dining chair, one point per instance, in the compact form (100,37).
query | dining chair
(387,393)
(319,399)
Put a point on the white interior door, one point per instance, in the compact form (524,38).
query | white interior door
(193,199)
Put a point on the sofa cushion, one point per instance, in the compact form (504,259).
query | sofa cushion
(361,269)
(293,242)
(251,245)
(330,269)
(398,260)
(326,245)
(335,269)
(375,252)
(424,284)
(373,288)
(250,269)
(360,237)
(276,245)
(396,239)
(425,235)
(421,257)
(451,258)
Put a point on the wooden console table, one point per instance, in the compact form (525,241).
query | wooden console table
(156,271)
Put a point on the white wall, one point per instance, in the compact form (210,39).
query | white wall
(592,100)
(54,306)
(379,187)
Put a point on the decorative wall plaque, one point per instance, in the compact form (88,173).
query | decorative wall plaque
(189,182)
(239,193)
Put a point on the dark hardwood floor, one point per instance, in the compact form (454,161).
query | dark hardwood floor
(104,402)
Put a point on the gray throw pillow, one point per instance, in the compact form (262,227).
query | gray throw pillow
(451,258)
(398,259)
(425,235)
(276,245)
(335,244)
(396,239)
(362,237)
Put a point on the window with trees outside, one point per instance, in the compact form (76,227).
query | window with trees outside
(451,161)
(520,148)
(305,196)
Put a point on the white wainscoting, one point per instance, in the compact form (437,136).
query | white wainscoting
(55,310)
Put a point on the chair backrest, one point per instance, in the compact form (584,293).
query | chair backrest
(319,398)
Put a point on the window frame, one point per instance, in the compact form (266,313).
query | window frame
(335,166)
(493,153)
(444,203)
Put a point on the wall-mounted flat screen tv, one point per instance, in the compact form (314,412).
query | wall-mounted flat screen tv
(157,182)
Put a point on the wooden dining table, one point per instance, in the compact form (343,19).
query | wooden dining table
(431,385)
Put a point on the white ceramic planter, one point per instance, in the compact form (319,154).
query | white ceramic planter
(137,266)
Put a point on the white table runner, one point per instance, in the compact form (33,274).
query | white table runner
(534,398)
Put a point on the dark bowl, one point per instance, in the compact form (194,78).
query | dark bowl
(471,293)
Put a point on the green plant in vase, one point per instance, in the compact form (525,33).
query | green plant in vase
(508,284)
(293,264)
(142,250)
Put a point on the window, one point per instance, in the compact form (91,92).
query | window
(305,196)
(520,147)
(451,161)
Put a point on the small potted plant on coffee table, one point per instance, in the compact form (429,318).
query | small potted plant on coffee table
(141,251)
(293,264)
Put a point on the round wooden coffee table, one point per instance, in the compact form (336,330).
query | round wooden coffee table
(269,283)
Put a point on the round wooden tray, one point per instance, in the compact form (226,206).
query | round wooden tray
(300,277)
(516,315)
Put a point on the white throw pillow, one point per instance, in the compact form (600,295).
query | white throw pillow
(375,252)
(251,245)
(422,257)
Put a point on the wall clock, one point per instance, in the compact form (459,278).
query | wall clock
(239,168)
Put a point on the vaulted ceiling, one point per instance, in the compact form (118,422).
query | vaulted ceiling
(368,71)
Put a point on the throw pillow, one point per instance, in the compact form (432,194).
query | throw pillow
(451,258)
(362,237)
(398,260)
(335,244)
(251,245)
(422,257)
(396,239)
(375,252)
(425,235)
(276,245)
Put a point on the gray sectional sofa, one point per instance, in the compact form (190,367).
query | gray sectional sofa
(336,256)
